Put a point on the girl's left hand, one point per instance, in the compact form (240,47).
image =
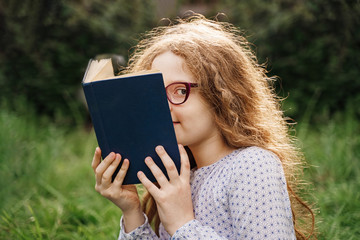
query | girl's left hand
(173,198)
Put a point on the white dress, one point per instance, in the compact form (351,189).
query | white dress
(242,196)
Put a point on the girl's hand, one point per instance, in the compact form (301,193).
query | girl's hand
(125,197)
(173,198)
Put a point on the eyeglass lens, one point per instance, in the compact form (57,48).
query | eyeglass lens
(177,92)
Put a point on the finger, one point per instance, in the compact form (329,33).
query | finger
(96,159)
(185,163)
(168,163)
(109,172)
(156,171)
(119,179)
(152,189)
(99,171)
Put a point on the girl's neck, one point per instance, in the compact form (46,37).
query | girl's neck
(210,151)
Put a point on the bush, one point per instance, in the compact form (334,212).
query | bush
(47,44)
(313,46)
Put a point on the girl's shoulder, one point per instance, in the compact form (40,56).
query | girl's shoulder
(254,161)
(258,153)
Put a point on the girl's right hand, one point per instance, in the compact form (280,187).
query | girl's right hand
(124,196)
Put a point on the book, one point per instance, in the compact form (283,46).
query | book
(130,116)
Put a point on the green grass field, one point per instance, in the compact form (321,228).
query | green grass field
(47,184)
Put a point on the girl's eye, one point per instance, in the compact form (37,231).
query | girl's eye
(180,91)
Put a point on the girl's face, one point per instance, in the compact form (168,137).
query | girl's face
(193,121)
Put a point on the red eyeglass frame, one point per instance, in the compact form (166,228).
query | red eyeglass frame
(188,86)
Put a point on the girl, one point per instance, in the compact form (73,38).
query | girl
(225,113)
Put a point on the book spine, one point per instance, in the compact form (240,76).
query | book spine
(96,118)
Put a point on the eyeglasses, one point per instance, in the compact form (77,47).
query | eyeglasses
(178,92)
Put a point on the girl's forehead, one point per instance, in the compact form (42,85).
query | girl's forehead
(171,61)
(172,67)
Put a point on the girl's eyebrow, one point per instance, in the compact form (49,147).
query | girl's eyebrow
(171,82)
(180,81)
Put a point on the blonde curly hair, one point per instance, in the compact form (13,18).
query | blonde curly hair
(246,109)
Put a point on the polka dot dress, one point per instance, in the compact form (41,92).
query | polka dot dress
(241,196)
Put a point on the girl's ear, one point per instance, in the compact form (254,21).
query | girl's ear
(191,157)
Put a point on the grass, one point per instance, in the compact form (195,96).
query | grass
(47,184)
(333,151)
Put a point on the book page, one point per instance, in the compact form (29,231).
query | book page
(99,70)
(103,70)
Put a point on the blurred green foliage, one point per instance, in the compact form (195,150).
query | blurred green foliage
(45,45)
(313,46)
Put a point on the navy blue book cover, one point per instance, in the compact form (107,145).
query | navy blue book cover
(131,116)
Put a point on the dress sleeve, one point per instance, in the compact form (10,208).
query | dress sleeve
(257,202)
(144,232)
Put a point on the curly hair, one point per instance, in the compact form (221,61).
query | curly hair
(238,91)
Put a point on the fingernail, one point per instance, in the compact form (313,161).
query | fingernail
(159,148)
(148,159)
